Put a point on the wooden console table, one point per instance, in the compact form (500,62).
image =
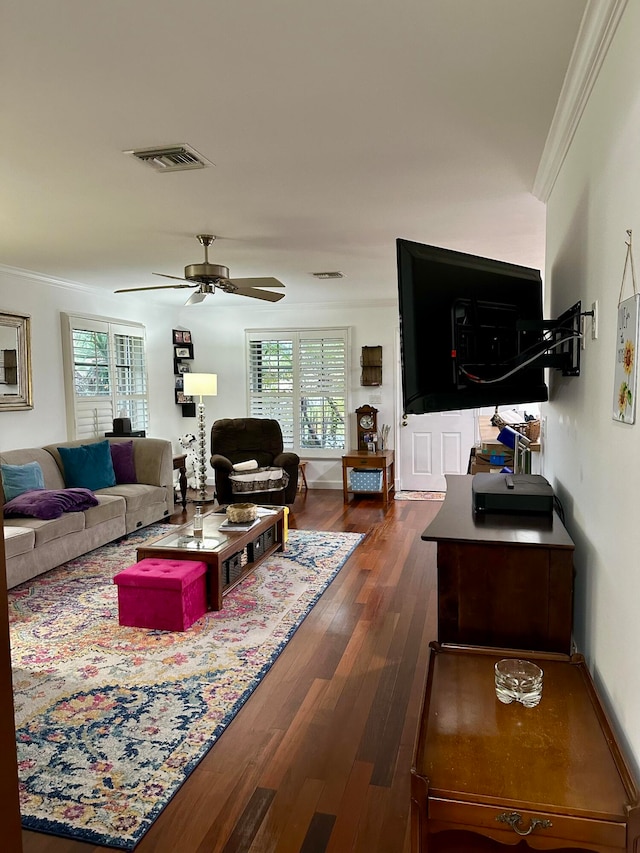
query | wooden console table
(370,459)
(504,580)
(553,774)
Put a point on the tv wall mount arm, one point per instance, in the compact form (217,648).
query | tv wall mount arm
(563,345)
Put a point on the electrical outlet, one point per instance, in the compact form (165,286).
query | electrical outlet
(594,321)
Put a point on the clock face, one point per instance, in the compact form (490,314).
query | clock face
(366,422)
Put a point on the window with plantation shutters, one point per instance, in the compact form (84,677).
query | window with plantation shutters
(299,378)
(105,375)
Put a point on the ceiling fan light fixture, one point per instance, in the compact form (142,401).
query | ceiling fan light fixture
(207,278)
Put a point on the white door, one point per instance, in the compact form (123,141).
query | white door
(433,445)
(430,446)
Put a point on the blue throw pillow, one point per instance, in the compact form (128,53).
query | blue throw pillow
(17,479)
(88,466)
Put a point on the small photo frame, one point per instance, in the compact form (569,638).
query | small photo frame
(182,398)
(179,383)
(178,336)
(186,337)
(183,352)
(183,368)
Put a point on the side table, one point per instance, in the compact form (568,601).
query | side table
(179,464)
(370,459)
(484,770)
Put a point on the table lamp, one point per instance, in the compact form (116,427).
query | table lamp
(201,385)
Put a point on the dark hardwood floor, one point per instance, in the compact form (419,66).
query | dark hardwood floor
(318,759)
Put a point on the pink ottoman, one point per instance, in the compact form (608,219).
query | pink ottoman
(169,595)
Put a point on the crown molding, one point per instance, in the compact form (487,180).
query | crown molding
(598,26)
(45,279)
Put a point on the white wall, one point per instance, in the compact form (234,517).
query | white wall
(592,461)
(219,341)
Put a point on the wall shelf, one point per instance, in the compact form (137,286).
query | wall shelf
(371,363)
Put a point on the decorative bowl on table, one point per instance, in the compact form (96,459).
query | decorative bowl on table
(242,512)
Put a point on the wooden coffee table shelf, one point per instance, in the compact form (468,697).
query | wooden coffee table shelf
(219,546)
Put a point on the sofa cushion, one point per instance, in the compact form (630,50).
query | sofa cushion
(123,464)
(17,479)
(47,531)
(18,540)
(49,503)
(136,496)
(109,506)
(88,466)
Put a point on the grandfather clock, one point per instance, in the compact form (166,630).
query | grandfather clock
(367,420)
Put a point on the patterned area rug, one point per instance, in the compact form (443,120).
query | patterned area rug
(110,720)
(420,496)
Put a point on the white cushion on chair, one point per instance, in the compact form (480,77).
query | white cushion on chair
(249,465)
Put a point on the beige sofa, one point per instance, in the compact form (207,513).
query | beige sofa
(33,546)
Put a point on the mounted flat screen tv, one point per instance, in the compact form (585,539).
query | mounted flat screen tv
(469,328)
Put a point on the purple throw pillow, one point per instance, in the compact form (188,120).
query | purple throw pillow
(122,458)
(46,504)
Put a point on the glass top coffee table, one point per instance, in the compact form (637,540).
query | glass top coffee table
(230,554)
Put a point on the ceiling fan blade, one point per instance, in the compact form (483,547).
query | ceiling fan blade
(256,282)
(195,298)
(153,287)
(175,278)
(259,294)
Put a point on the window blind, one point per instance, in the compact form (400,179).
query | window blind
(105,375)
(299,379)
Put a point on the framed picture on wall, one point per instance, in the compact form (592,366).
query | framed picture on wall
(626,366)
(182,398)
(179,383)
(184,351)
(183,368)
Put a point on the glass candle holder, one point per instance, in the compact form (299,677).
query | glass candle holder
(518,681)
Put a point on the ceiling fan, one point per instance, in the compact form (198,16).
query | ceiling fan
(207,277)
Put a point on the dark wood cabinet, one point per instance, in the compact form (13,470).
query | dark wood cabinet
(488,776)
(504,580)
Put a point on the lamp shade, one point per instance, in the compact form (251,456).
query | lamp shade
(201,384)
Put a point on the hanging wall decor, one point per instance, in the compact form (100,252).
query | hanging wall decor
(625,373)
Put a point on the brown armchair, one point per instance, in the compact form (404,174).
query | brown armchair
(235,440)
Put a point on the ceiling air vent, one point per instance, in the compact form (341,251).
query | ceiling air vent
(335,274)
(170,158)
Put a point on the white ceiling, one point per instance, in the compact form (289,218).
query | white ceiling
(334,126)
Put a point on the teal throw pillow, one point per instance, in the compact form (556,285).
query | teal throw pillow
(18,479)
(88,466)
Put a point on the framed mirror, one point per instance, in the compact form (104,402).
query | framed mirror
(15,362)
